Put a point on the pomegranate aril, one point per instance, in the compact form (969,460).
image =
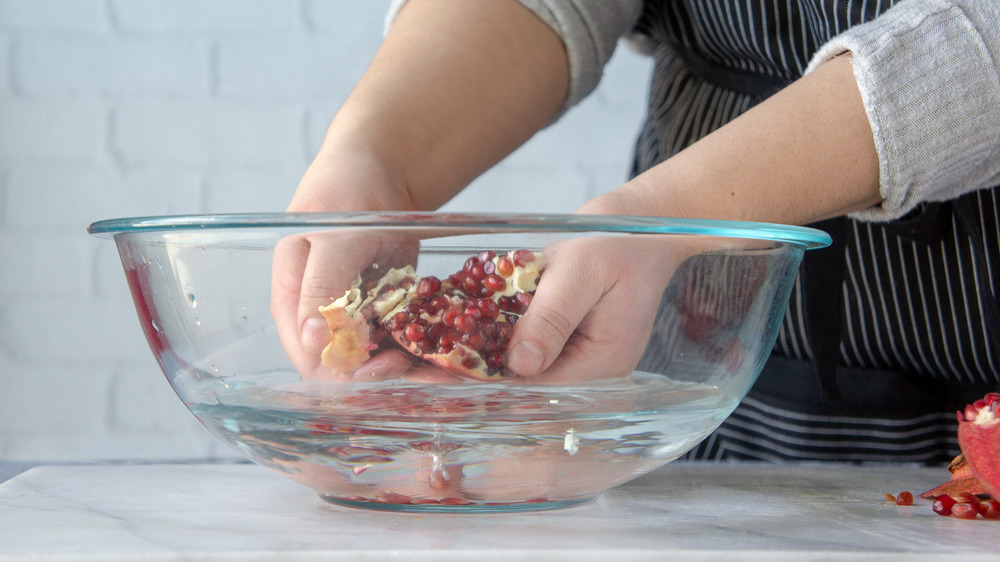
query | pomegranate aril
(943,504)
(439,303)
(471,285)
(415,332)
(990,509)
(398,321)
(495,360)
(435,332)
(465,323)
(428,286)
(495,282)
(475,340)
(963,510)
(504,267)
(450,317)
(489,308)
(470,362)
(506,303)
(523,257)
(486,255)
(904,498)
(477,272)
(489,268)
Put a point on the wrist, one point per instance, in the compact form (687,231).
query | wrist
(350,178)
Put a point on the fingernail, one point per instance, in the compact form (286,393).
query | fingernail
(525,358)
(315,334)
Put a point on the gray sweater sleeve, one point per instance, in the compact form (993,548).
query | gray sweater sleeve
(929,75)
(589,29)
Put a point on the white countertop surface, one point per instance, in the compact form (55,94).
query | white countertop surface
(684,511)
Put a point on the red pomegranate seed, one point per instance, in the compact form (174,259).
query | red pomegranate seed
(904,498)
(470,263)
(426,345)
(415,332)
(505,267)
(477,271)
(486,255)
(489,308)
(495,360)
(435,332)
(472,309)
(889,498)
(943,504)
(523,257)
(439,303)
(471,285)
(465,323)
(475,340)
(494,282)
(990,509)
(506,303)
(450,317)
(963,510)
(428,286)
(398,321)
(489,268)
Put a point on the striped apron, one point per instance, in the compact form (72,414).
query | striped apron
(914,333)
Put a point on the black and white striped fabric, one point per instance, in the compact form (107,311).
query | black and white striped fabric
(921,329)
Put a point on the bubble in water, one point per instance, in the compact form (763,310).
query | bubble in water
(192,301)
(196,321)
(213,368)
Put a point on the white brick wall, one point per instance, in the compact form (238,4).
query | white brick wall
(114,108)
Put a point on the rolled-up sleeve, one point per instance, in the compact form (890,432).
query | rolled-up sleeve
(590,30)
(928,75)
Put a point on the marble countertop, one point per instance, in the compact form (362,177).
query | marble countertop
(686,511)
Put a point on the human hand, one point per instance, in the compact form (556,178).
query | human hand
(593,311)
(311,270)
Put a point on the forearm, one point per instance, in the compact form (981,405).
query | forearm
(804,154)
(456,86)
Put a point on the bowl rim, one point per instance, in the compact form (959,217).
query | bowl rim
(808,237)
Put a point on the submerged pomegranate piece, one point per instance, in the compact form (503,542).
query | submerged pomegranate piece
(461,323)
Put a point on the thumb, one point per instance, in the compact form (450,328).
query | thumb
(560,303)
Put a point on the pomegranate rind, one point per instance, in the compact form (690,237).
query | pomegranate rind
(955,487)
(350,341)
(979,439)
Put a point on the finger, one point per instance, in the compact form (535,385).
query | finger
(567,293)
(327,275)
(289,262)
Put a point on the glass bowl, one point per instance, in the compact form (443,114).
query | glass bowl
(369,411)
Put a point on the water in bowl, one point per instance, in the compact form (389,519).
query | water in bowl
(451,447)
